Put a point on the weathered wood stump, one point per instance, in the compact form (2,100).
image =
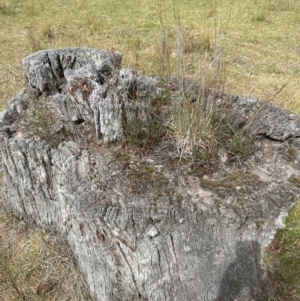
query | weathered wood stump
(140,229)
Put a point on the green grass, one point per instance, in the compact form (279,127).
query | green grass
(282,259)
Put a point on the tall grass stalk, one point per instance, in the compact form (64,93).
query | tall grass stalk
(164,48)
(180,46)
(194,119)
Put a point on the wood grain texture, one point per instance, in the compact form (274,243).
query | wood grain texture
(170,235)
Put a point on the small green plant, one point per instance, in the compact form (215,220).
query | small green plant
(205,154)
(234,142)
(143,136)
(240,144)
(146,128)
(43,123)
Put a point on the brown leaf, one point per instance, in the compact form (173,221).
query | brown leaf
(44,288)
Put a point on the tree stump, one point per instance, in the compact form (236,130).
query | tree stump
(141,229)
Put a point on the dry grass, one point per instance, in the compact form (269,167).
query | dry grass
(258,39)
(31,258)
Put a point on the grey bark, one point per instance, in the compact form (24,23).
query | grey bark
(140,229)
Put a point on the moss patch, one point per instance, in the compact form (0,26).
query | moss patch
(200,171)
(291,153)
(145,178)
(122,157)
(295,180)
(232,181)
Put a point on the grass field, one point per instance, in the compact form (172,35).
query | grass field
(257,37)
(249,47)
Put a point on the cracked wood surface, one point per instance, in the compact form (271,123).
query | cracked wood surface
(139,229)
